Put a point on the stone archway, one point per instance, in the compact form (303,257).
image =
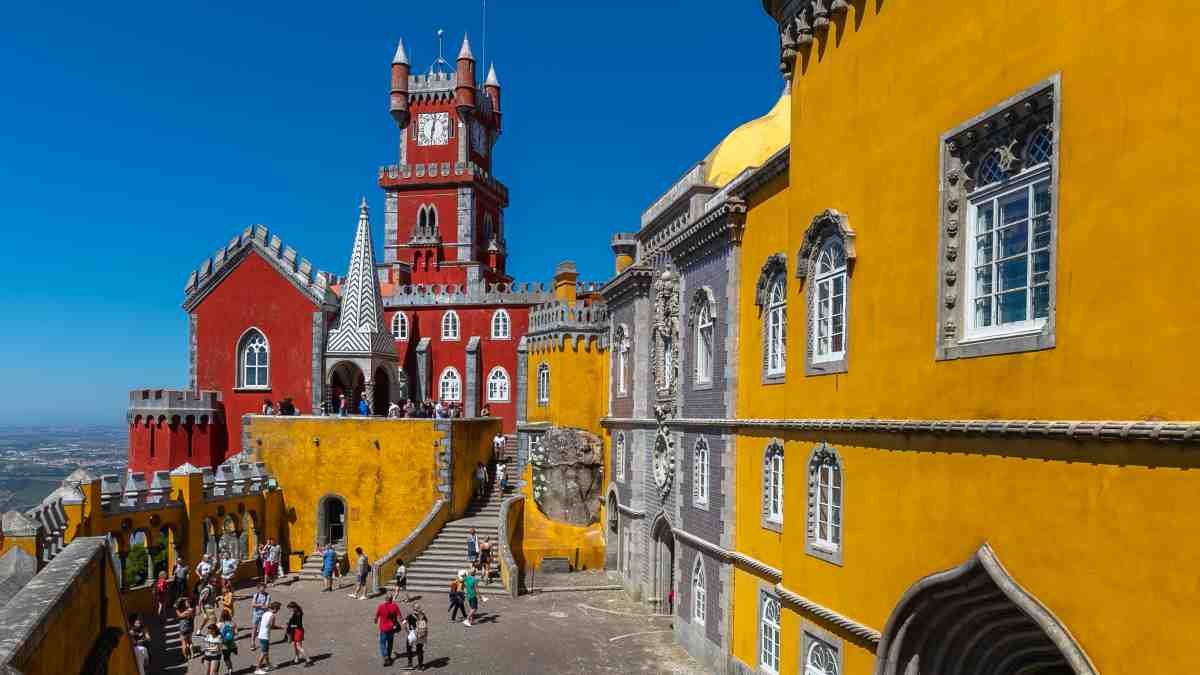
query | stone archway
(975,618)
(331,520)
(346,379)
(662,537)
(382,391)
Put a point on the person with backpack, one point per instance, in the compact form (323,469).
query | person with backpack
(387,617)
(363,570)
(259,604)
(295,633)
(206,602)
(228,631)
(402,579)
(418,632)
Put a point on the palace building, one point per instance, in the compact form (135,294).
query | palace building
(896,380)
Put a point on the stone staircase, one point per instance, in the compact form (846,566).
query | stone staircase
(311,569)
(431,572)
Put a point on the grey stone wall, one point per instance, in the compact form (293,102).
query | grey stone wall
(622,406)
(709,271)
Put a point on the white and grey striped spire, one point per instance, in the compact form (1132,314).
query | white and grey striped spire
(360,329)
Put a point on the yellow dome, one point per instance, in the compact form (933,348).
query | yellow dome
(750,144)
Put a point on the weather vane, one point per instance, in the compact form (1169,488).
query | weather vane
(440,60)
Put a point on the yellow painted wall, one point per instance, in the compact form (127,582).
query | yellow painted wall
(578,399)
(1096,531)
(385,469)
(472,440)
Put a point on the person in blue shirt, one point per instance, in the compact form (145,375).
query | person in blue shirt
(329,559)
(364,408)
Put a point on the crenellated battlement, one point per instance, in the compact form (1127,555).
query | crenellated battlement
(581,323)
(475,293)
(169,403)
(401,174)
(298,269)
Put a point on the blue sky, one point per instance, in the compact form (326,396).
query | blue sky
(139,137)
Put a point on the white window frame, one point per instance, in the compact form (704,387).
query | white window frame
(450,385)
(700,457)
(770,634)
(820,650)
(501,325)
(619,455)
(242,351)
(451,326)
(705,329)
(825,508)
(620,350)
(993,195)
(772,485)
(499,376)
(543,384)
(699,591)
(399,327)
(826,278)
(775,337)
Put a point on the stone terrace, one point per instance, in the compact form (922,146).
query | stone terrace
(540,633)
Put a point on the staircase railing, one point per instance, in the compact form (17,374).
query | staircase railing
(411,546)
(512,513)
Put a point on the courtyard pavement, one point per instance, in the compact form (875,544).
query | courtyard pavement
(561,632)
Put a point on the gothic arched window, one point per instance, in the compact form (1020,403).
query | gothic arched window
(399,326)
(828,308)
(823,537)
(621,356)
(253,358)
(501,325)
(543,384)
(498,385)
(450,325)
(699,592)
(772,485)
(450,385)
(769,635)
(700,473)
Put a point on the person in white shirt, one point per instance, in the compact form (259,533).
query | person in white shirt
(394,410)
(205,567)
(264,638)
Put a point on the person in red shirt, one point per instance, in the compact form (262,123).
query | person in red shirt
(387,617)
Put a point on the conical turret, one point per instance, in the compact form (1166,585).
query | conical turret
(399,98)
(464,89)
(491,87)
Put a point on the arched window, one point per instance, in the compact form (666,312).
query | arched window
(450,385)
(700,473)
(621,354)
(254,356)
(450,325)
(399,326)
(829,304)
(773,485)
(488,235)
(821,660)
(704,344)
(497,385)
(769,634)
(824,527)
(619,455)
(543,384)
(501,325)
(777,329)
(699,592)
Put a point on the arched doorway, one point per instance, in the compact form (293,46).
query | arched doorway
(346,380)
(975,618)
(383,392)
(331,520)
(664,565)
(612,534)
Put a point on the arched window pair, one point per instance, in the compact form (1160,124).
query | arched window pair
(399,326)
(498,385)
(543,384)
(254,360)
(427,222)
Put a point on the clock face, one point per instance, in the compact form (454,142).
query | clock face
(433,128)
(479,138)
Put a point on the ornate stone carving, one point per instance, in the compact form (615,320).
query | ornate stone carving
(665,361)
(776,265)
(829,222)
(664,461)
(568,473)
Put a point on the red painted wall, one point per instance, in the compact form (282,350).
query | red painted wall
(473,320)
(255,295)
(170,447)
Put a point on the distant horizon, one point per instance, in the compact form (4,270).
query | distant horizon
(137,162)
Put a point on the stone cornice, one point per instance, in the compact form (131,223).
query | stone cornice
(1111,430)
(777,164)
(722,225)
(634,279)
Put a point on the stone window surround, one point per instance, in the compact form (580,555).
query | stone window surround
(620,451)
(701,575)
(703,295)
(811,634)
(697,503)
(1034,108)
(543,386)
(508,385)
(400,321)
(239,374)
(774,446)
(621,346)
(448,370)
(507,325)
(819,455)
(829,226)
(766,592)
(775,268)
